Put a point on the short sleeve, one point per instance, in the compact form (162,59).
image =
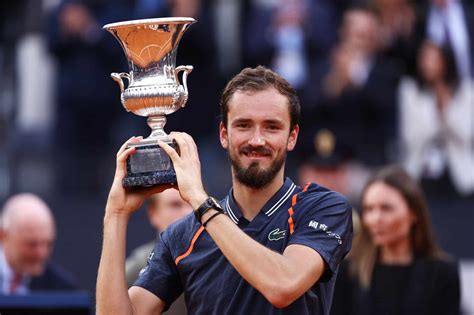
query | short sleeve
(323,221)
(160,276)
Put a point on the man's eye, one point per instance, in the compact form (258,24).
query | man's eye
(387,208)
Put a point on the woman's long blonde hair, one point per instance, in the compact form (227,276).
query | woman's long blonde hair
(365,253)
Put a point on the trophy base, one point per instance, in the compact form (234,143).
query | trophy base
(149,166)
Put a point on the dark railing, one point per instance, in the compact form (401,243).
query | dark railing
(77,303)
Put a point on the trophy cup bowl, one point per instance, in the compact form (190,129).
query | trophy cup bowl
(153,90)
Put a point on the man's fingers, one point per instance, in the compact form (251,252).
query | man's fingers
(124,146)
(185,142)
(192,144)
(169,150)
(183,146)
(125,154)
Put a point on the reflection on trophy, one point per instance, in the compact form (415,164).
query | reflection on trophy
(154,90)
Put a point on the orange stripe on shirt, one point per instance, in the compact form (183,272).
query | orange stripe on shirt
(294,199)
(306,187)
(291,224)
(191,246)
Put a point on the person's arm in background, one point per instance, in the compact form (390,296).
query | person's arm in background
(112,295)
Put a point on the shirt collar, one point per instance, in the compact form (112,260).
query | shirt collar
(6,275)
(271,207)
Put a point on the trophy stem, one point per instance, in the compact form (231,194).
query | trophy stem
(157,123)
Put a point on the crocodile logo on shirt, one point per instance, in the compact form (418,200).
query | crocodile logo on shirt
(276,235)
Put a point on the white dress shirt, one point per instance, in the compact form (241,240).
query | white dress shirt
(6,278)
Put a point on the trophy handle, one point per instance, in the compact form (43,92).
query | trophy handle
(118,77)
(187,70)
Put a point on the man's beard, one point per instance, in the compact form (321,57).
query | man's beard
(254,176)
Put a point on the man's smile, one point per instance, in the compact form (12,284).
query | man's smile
(256,153)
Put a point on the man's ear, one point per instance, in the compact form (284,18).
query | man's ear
(292,138)
(223,135)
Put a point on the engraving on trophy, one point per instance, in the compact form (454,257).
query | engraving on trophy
(154,90)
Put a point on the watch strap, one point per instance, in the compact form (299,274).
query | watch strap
(209,203)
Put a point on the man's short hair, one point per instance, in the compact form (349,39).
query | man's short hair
(259,79)
(19,203)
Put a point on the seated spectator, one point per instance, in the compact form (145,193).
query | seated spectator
(163,209)
(395,266)
(27,235)
(436,120)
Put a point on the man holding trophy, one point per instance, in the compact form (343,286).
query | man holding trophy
(269,247)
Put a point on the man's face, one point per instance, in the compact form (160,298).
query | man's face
(258,136)
(28,247)
(360,31)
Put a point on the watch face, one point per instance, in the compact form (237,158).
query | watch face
(215,203)
(208,204)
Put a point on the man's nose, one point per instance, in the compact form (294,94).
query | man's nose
(42,251)
(257,138)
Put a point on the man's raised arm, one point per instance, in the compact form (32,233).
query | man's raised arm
(111,293)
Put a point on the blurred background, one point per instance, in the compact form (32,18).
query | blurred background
(380,82)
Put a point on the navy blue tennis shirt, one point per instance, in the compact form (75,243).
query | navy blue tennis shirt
(186,258)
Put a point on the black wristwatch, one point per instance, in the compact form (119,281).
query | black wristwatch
(209,203)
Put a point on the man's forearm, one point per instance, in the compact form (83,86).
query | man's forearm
(112,292)
(277,277)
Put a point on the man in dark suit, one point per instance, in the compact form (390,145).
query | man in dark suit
(27,235)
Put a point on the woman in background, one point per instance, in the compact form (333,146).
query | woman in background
(436,121)
(395,266)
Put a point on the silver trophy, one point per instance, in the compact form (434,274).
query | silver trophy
(153,91)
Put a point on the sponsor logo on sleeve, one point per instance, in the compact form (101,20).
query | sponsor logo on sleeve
(144,269)
(323,227)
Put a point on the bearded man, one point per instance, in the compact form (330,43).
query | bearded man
(269,247)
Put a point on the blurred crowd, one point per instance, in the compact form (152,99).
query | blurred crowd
(380,81)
